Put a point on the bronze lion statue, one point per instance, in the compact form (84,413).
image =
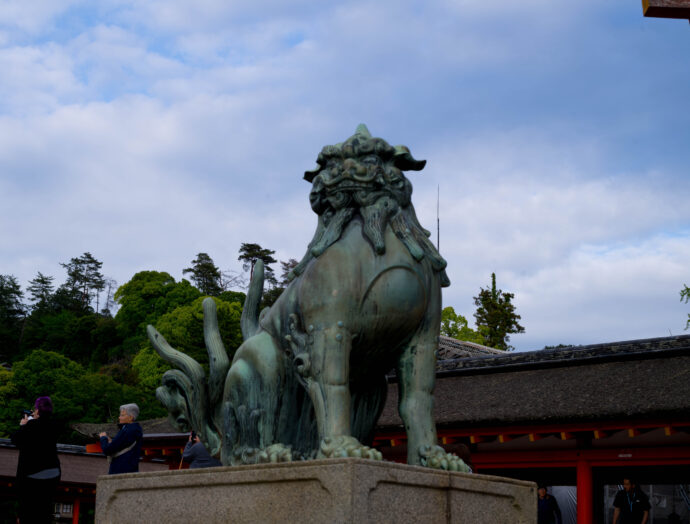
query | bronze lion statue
(309,381)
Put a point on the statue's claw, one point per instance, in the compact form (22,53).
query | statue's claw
(272,454)
(437,458)
(346,446)
(245,455)
(275,453)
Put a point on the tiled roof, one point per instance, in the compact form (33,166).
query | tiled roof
(450,348)
(641,379)
(156,426)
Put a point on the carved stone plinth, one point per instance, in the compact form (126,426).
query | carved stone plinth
(329,491)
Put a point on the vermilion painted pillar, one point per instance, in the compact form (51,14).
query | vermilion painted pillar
(75,511)
(584,492)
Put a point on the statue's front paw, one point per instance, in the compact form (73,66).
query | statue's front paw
(346,446)
(276,453)
(437,458)
(244,455)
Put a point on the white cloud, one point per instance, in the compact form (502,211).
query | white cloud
(153,131)
(31,17)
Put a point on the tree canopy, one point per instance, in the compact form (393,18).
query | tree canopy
(11,316)
(88,361)
(205,274)
(250,253)
(456,326)
(148,296)
(495,317)
(84,278)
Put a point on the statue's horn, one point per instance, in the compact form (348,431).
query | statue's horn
(362,130)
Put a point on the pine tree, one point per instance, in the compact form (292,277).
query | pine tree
(495,316)
(41,290)
(250,253)
(11,316)
(205,275)
(84,278)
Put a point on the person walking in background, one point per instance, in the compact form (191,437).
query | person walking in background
(631,504)
(548,511)
(197,455)
(38,467)
(124,450)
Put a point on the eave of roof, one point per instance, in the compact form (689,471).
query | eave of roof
(663,347)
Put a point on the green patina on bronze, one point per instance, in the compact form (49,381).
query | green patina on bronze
(309,379)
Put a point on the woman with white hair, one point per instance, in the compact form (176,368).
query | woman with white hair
(124,450)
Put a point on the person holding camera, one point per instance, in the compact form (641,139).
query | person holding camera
(197,455)
(38,467)
(123,451)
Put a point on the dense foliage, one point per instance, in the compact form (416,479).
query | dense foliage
(456,326)
(64,342)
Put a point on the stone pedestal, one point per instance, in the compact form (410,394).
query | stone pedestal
(329,491)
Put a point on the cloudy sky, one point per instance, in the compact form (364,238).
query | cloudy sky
(558,132)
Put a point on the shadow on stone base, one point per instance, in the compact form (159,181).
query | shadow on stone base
(329,491)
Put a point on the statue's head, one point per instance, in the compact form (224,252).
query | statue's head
(358,172)
(363,177)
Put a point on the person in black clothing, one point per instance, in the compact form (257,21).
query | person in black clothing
(631,504)
(548,511)
(124,450)
(197,455)
(38,468)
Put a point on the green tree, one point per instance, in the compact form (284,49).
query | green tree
(149,368)
(78,395)
(183,328)
(685,294)
(456,326)
(233,296)
(205,274)
(495,317)
(144,299)
(285,268)
(271,294)
(250,253)
(11,316)
(85,278)
(41,290)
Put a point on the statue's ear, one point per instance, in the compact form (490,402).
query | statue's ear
(403,159)
(309,175)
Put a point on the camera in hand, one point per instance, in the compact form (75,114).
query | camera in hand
(27,412)
(193,435)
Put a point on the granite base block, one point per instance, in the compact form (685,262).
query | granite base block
(329,491)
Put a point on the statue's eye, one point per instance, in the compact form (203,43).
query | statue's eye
(370,160)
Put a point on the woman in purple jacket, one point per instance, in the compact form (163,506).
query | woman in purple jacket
(38,468)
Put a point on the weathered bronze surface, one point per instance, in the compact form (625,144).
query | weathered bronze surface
(309,379)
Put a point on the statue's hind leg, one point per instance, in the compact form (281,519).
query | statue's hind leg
(250,400)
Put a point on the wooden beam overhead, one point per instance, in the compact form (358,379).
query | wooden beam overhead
(666,8)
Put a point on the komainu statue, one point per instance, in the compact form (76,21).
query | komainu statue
(309,381)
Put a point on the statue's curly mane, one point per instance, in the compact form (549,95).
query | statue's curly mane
(363,176)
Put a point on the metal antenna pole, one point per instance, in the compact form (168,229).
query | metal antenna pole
(438,219)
